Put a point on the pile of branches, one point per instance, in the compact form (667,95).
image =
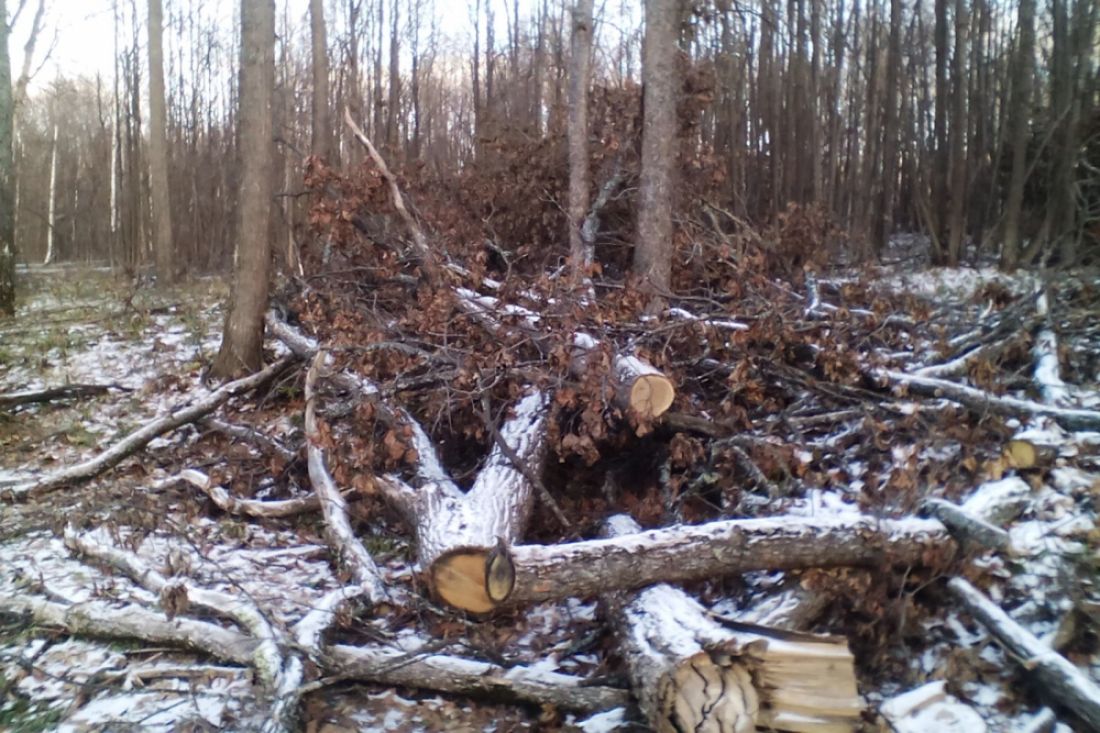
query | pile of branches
(441,386)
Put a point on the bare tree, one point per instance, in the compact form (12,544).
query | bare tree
(7,174)
(322,126)
(653,252)
(244,327)
(580,252)
(959,129)
(158,150)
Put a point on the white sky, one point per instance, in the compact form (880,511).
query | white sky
(81,32)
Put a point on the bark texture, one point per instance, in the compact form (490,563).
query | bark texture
(579,176)
(241,348)
(322,124)
(7,175)
(158,150)
(653,252)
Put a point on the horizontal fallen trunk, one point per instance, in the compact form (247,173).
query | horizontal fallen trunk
(67,392)
(371,664)
(981,402)
(1060,679)
(970,530)
(691,673)
(141,437)
(687,553)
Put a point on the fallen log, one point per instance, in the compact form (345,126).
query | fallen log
(981,402)
(968,529)
(346,546)
(460,535)
(386,666)
(1059,679)
(691,673)
(67,392)
(687,553)
(138,439)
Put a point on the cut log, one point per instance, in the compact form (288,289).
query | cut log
(1024,454)
(1060,679)
(686,553)
(459,535)
(971,531)
(691,673)
(639,387)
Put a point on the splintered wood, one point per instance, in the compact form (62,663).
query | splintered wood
(691,672)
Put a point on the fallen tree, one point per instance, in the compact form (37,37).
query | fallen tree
(690,672)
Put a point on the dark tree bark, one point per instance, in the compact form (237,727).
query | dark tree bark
(244,328)
(941,162)
(890,131)
(7,175)
(653,253)
(1018,119)
(322,124)
(579,184)
(959,129)
(163,247)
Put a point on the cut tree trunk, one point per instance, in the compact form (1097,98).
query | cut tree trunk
(687,553)
(691,673)
(461,537)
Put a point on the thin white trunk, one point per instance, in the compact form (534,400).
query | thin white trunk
(53,199)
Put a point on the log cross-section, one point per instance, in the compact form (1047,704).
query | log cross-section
(459,534)
(691,673)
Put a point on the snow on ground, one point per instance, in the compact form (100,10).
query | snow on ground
(86,332)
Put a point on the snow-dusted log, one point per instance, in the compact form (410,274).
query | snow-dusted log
(178,594)
(691,673)
(66,392)
(247,507)
(685,553)
(135,441)
(982,402)
(1048,375)
(463,537)
(468,677)
(130,621)
(639,387)
(1060,680)
(384,666)
(967,528)
(346,546)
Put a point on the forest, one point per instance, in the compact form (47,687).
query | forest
(535,365)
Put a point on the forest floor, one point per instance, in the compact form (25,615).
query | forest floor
(86,326)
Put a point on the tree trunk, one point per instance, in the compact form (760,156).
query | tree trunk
(692,673)
(890,131)
(7,175)
(941,162)
(959,129)
(322,124)
(1018,119)
(581,255)
(158,150)
(654,249)
(395,84)
(241,348)
(51,207)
